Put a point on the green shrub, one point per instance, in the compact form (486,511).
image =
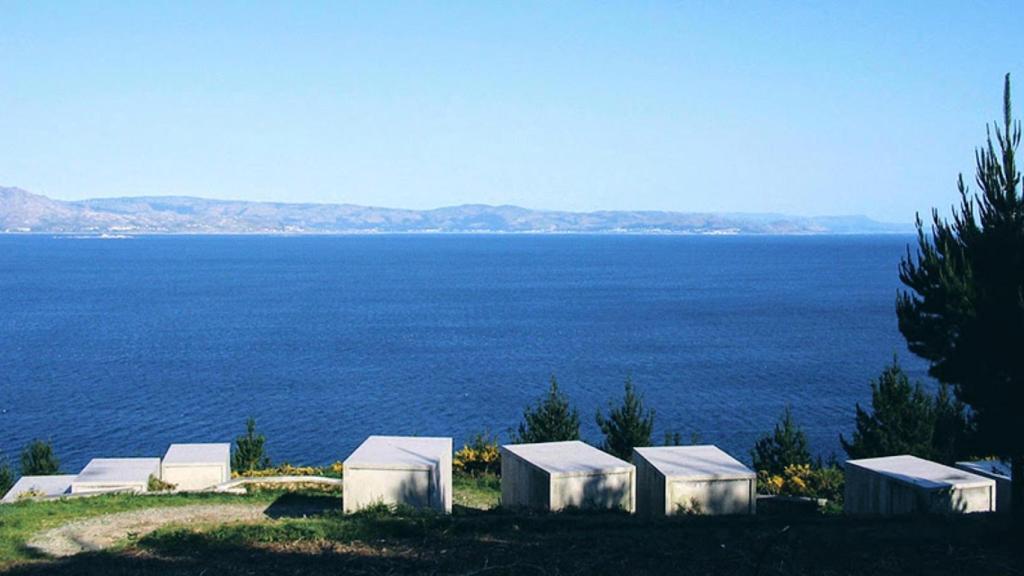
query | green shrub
(785,446)
(38,459)
(627,425)
(553,419)
(249,450)
(6,476)
(904,419)
(157,485)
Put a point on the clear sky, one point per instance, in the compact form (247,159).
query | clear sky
(803,108)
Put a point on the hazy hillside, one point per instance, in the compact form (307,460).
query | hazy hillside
(24,212)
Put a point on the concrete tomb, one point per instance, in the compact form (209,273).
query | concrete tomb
(116,474)
(196,466)
(692,479)
(399,470)
(908,484)
(39,486)
(557,475)
(997,471)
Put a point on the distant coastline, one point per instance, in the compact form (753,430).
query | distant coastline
(22,212)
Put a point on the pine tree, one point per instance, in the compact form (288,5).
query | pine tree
(38,459)
(902,420)
(785,446)
(963,309)
(626,426)
(553,419)
(249,450)
(6,476)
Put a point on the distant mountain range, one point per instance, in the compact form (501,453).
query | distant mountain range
(24,212)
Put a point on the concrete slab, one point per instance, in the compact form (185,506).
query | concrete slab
(111,474)
(908,484)
(48,486)
(997,471)
(399,470)
(557,475)
(196,466)
(692,479)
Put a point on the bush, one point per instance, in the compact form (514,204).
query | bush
(906,420)
(249,450)
(626,426)
(804,480)
(480,457)
(6,476)
(157,485)
(286,469)
(786,446)
(553,419)
(38,459)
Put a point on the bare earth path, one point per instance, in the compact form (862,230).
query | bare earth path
(104,531)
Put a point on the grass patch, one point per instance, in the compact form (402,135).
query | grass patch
(20,521)
(476,492)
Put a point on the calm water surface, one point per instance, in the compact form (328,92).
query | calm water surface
(120,347)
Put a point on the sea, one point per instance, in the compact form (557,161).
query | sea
(118,347)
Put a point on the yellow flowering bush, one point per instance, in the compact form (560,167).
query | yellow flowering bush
(803,480)
(480,456)
(287,469)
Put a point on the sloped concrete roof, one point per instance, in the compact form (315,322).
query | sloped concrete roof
(920,472)
(197,454)
(119,471)
(400,452)
(695,462)
(47,485)
(572,458)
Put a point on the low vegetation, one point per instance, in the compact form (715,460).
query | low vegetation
(382,541)
(38,459)
(627,425)
(553,419)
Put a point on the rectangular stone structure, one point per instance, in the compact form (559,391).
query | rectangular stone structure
(557,475)
(908,484)
(997,471)
(692,480)
(40,486)
(399,470)
(116,474)
(196,466)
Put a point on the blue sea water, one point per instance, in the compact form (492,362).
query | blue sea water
(120,347)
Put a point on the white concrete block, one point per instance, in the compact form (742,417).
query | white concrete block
(692,479)
(399,470)
(57,485)
(112,474)
(908,484)
(196,466)
(557,475)
(997,471)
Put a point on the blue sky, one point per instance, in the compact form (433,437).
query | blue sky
(804,108)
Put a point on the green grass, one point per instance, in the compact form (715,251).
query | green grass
(19,521)
(477,540)
(476,492)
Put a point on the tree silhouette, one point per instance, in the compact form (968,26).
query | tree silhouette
(963,307)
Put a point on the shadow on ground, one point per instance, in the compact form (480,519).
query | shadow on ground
(576,543)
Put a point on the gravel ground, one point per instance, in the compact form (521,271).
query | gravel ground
(104,531)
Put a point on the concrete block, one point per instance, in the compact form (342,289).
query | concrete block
(907,484)
(51,486)
(196,466)
(997,471)
(114,474)
(692,479)
(406,470)
(556,475)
